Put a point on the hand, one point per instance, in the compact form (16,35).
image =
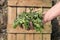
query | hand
(51,13)
(48,16)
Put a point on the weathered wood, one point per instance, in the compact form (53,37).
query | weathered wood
(29,36)
(45,3)
(11,15)
(11,37)
(15,7)
(46,37)
(37,36)
(20,37)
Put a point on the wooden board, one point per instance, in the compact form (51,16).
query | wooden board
(20,37)
(29,37)
(38,37)
(11,37)
(47,37)
(45,3)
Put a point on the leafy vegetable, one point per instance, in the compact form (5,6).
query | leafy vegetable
(31,20)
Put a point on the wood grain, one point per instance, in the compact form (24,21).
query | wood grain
(38,37)
(20,37)
(11,37)
(46,37)
(45,3)
(29,36)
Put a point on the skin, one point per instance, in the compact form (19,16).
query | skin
(52,13)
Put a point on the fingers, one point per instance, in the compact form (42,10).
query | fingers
(44,19)
(47,16)
(44,13)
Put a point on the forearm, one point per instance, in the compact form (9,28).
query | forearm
(54,11)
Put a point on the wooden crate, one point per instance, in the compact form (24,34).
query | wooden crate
(17,6)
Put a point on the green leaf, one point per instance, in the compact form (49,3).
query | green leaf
(25,17)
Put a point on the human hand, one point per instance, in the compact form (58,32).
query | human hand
(51,13)
(48,17)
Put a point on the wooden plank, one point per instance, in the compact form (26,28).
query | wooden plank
(11,37)
(19,10)
(45,3)
(47,28)
(12,2)
(46,36)
(11,15)
(11,18)
(20,37)
(29,36)
(38,37)
(45,9)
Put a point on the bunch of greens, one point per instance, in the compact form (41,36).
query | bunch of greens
(30,20)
